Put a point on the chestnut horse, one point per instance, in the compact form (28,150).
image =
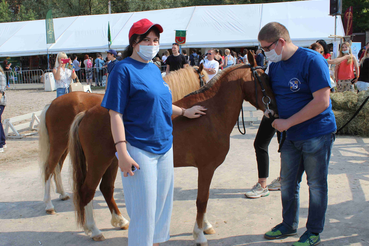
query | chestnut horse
(57,118)
(202,143)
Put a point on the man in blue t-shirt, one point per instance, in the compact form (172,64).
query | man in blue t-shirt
(300,80)
(111,55)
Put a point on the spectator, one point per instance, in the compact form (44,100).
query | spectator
(88,69)
(141,126)
(165,56)
(77,66)
(7,69)
(245,56)
(219,58)
(326,53)
(366,48)
(119,56)
(300,81)
(234,54)
(260,57)
(157,62)
(363,81)
(111,56)
(184,52)
(63,76)
(211,66)
(194,58)
(99,64)
(3,86)
(239,58)
(175,61)
(228,60)
(362,50)
(344,72)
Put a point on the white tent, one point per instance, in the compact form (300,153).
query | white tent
(207,26)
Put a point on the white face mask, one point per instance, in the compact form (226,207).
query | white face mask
(272,55)
(345,51)
(148,52)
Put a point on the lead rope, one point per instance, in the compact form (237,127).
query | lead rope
(361,106)
(243,122)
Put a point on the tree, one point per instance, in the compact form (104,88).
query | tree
(5,14)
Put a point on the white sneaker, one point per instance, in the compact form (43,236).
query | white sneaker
(4,146)
(257,191)
(275,185)
(1,150)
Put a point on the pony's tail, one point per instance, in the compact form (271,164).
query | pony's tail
(78,160)
(43,143)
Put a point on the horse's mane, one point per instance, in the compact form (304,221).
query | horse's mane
(211,84)
(183,81)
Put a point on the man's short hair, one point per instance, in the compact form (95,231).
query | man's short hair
(273,31)
(175,44)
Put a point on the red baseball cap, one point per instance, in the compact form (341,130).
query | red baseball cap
(142,26)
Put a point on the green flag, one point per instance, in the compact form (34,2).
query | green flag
(109,35)
(180,37)
(50,36)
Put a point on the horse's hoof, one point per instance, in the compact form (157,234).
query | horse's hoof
(50,211)
(125,227)
(209,231)
(99,238)
(202,244)
(65,198)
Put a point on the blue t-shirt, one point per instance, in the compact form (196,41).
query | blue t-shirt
(138,91)
(293,82)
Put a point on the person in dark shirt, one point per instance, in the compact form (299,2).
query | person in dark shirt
(175,61)
(259,57)
(363,82)
(111,56)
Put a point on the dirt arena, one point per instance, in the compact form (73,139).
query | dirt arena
(237,221)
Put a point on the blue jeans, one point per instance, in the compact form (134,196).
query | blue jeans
(312,156)
(2,133)
(61,91)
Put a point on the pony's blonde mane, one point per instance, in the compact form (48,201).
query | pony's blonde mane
(211,84)
(184,81)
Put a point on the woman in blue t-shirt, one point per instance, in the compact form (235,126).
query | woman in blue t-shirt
(140,108)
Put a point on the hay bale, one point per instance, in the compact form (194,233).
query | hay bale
(344,100)
(344,107)
(358,126)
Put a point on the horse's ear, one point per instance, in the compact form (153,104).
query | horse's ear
(201,67)
(251,59)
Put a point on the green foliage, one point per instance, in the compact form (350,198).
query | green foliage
(5,14)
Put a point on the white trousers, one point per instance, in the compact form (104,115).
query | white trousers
(149,197)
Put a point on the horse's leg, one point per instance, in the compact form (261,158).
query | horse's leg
(47,197)
(58,180)
(107,189)
(52,160)
(90,225)
(204,181)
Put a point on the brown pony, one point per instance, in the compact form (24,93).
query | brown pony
(202,143)
(57,118)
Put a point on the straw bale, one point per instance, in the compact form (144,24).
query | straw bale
(344,101)
(358,126)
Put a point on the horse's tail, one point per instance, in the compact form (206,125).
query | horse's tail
(78,160)
(43,143)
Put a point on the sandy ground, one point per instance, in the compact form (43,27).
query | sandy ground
(237,221)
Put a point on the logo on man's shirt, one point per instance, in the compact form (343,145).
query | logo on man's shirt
(294,84)
(166,85)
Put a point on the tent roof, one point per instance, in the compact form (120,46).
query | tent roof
(207,26)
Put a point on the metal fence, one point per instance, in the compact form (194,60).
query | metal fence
(34,79)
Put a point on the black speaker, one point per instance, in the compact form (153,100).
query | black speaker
(335,7)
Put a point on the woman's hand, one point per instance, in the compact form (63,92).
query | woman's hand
(125,164)
(194,112)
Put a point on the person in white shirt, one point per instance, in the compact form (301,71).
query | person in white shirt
(211,66)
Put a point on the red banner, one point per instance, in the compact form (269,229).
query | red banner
(347,21)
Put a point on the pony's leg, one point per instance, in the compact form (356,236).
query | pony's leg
(90,226)
(107,189)
(208,228)
(58,180)
(47,198)
(204,181)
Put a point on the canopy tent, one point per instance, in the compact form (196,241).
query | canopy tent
(207,26)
